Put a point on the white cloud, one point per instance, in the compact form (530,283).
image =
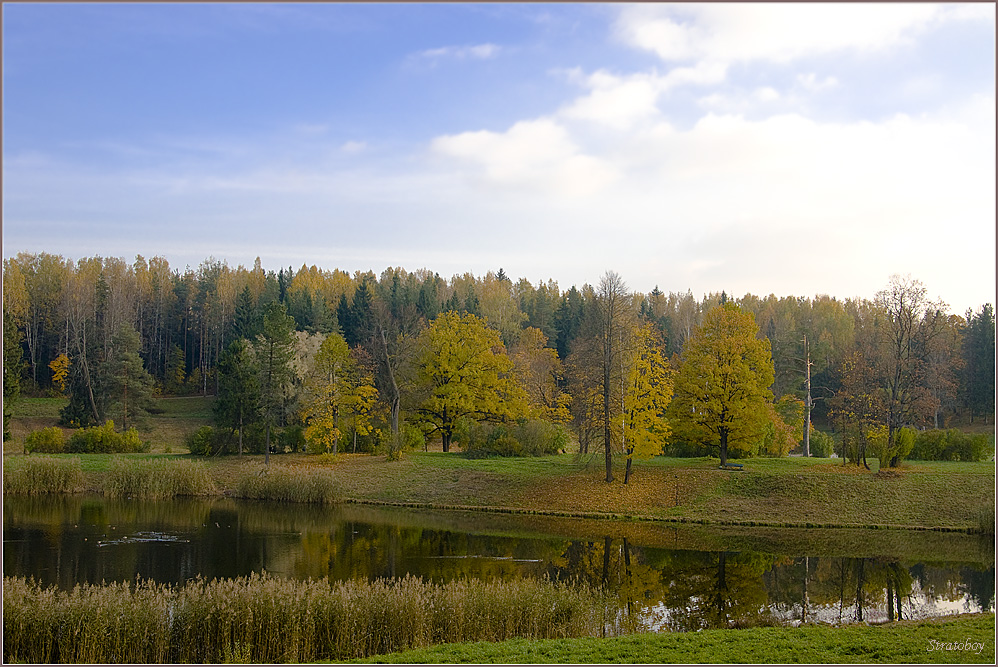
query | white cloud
(776,32)
(537,155)
(476,51)
(811,82)
(766,94)
(353,147)
(621,102)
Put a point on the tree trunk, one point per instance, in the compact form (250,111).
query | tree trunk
(807,402)
(607,354)
(724,448)
(890,601)
(627,469)
(240,430)
(266,449)
(336,429)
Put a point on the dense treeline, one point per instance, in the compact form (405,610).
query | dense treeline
(326,359)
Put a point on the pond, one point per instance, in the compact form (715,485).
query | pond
(675,577)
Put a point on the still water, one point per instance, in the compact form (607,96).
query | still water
(676,577)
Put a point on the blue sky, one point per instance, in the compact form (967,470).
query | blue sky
(787,149)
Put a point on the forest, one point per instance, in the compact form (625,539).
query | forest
(325,361)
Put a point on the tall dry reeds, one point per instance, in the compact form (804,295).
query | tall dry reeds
(154,479)
(42,474)
(264,619)
(286,484)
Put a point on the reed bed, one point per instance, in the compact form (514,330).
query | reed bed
(31,475)
(262,619)
(113,623)
(287,484)
(154,479)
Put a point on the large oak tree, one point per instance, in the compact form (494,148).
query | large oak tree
(722,388)
(463,372)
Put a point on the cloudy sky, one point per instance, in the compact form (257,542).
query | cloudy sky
(788,149)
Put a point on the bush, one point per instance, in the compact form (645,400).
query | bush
(529,438)
(684,449)
(105,440)
(291,438)
(952,445)
(821,444)
(207,441)
(49,440)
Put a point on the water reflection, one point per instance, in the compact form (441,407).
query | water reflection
(671,577)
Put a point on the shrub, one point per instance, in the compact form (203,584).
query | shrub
(684,449)
(49,440)
(291,438)
(821,444)
(42,474)
(528,438)
(157,478)
(105,440)
(206,441)
(952,445)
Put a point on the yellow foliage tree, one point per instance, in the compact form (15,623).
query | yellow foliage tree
(538,369)
(722,388)
(646,396)
(463,372)
(60,371)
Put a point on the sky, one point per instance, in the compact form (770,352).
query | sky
(792,149)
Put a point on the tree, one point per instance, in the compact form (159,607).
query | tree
(12,366)
(60,372)
(274,349)
(978,378)
(910,322)
(332,378)
(856,406)
(648,390)
(615,313)
(463,371)
(129,385)
(539,371)
(722,389)
(238,400)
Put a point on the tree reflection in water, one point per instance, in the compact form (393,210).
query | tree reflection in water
(660,582)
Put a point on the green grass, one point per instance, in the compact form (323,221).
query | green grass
(47,408)
(172,419)
(904,642)
(769,491)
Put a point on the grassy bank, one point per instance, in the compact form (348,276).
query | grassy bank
(788,492)
(263,619)
(966,639)
(776,492)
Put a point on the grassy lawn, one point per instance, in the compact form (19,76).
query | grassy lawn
(173,418)
(931,641)
(776,492)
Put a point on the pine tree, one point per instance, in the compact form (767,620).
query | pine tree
(274,349)
(129,385)
(238,401)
